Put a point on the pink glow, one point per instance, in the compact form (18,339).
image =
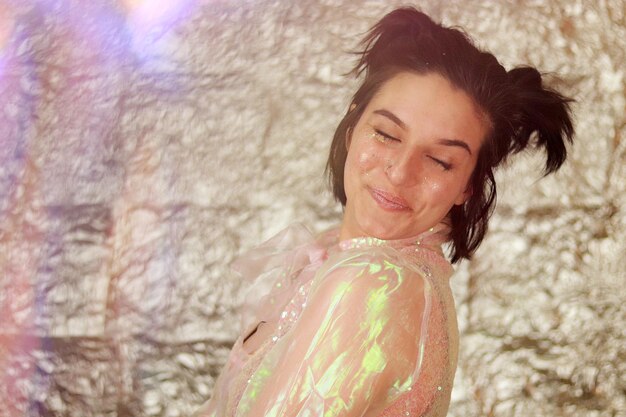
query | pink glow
(7,25)
(145,14)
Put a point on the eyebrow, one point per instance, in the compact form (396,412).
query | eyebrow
(446,142)
(455,142)
(391,117)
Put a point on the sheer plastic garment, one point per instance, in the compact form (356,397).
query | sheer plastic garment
(362,327)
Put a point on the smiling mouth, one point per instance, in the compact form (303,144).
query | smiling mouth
(389,201)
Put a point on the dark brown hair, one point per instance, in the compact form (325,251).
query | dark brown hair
(518,106)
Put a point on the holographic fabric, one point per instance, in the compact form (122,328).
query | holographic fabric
(362,327)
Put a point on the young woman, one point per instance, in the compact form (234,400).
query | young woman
(360,321)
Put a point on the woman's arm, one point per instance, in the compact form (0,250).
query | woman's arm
(354,349)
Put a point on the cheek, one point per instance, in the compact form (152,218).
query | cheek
(367,161)
(437,190)
(361,161)
(441,191)
(367,158)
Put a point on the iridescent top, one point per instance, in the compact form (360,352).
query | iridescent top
(362,327)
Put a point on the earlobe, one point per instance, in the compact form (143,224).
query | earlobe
(463,197)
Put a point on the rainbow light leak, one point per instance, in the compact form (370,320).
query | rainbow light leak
(86,38)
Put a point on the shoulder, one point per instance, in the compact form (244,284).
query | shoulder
(378,272)
(406,285)
(387,262)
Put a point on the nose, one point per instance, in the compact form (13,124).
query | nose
(403,169)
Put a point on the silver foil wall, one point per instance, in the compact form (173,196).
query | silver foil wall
(145,144)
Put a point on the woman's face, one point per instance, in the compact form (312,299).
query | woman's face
(410,157)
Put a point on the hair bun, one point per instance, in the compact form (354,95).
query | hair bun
(525,77)
(541,111)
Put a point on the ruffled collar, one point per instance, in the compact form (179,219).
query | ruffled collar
(272,272)
(433,237)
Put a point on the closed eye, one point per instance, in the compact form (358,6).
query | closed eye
(445,165)
(383,137)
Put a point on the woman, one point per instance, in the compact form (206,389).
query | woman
(359,321)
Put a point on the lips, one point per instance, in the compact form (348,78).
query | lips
(389,201)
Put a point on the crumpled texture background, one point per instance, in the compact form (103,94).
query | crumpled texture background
(144,144)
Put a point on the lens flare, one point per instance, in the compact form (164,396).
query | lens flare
(145,15)
(149,22)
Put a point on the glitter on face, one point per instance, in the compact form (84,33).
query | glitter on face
(398,178)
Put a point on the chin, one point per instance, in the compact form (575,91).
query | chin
(380,231)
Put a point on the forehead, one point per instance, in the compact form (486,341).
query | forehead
(431,101)
(410,88)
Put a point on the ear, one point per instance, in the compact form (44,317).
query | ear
(464,196)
